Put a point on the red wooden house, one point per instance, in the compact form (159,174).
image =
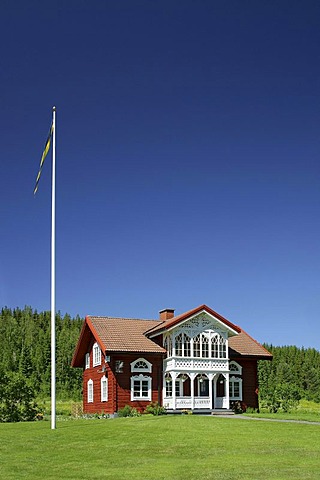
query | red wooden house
(197,360)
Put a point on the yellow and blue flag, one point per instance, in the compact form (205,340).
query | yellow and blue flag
(44,154)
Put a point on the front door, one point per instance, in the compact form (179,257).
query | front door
(220,391)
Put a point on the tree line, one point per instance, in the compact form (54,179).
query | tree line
(25,340)
(25,365)
(294,373)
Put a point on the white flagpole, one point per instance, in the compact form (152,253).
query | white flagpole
(53,307)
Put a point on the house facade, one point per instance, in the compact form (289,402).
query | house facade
(197,361)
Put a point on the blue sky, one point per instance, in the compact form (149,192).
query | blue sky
(187,159)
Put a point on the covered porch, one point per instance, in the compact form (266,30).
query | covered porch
(196,391)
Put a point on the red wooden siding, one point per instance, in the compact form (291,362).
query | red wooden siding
(119,384)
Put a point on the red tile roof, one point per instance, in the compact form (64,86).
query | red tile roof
(125,334)
(245,345)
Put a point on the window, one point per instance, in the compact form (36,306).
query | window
(87,360)
(218,347)
(140,388)
(168,345)
(168,381)
(90,391)
(205,347)
(104,389)
(197,346)
(234,367)
(235,388)
(183,345)
(178,345)
(141,365)
(96,355)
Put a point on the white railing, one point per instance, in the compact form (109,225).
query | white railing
(186,403)
(196,364)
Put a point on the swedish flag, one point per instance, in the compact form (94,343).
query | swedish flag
(44,154)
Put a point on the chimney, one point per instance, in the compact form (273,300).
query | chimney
(166,314)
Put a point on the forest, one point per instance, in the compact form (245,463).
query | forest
(294,372)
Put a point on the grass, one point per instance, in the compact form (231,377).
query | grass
(306,411)
(185,447)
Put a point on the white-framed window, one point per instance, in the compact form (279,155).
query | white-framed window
(235,388)
(140,387)
(96,355)
(235,368)
(167,343)
(218,347)
(104,389)
(90,391)
(168,384)
(87,360)
(141,366)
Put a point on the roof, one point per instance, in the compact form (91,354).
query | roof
(244,345)
(125,334)
(135,335)
(115,334)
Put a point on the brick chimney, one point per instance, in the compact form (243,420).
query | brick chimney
(166,314)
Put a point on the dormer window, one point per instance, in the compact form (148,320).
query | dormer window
(96,355)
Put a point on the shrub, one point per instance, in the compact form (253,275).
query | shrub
(17,402)
(238,407)
(128,411)
(155,409)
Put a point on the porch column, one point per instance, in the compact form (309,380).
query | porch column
(227,391)
(210,377)
(192,377)
(173,376)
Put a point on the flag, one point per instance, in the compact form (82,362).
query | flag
(44,154)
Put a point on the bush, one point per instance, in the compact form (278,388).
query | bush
(155,409)
(128,411)
(17,401)
(284,398)
(238,407)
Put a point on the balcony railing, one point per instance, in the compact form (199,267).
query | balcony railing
(196,364)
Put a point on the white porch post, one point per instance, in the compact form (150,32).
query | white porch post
(210,377)
(192,377)
(227,392)
(173,376)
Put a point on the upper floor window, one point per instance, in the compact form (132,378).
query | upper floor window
(141,365)
(96,355)
(183,345)
(87,360)
(90,391)
(167,343)
(218,347)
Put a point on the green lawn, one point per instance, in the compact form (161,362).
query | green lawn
(167,448)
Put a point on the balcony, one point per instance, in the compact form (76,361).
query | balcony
(183,364)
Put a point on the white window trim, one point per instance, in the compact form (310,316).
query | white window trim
(104,394)
(87,361)
(232,381)
(96,355)
(140,378)
(141,370)
(239,368)
(90,391)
